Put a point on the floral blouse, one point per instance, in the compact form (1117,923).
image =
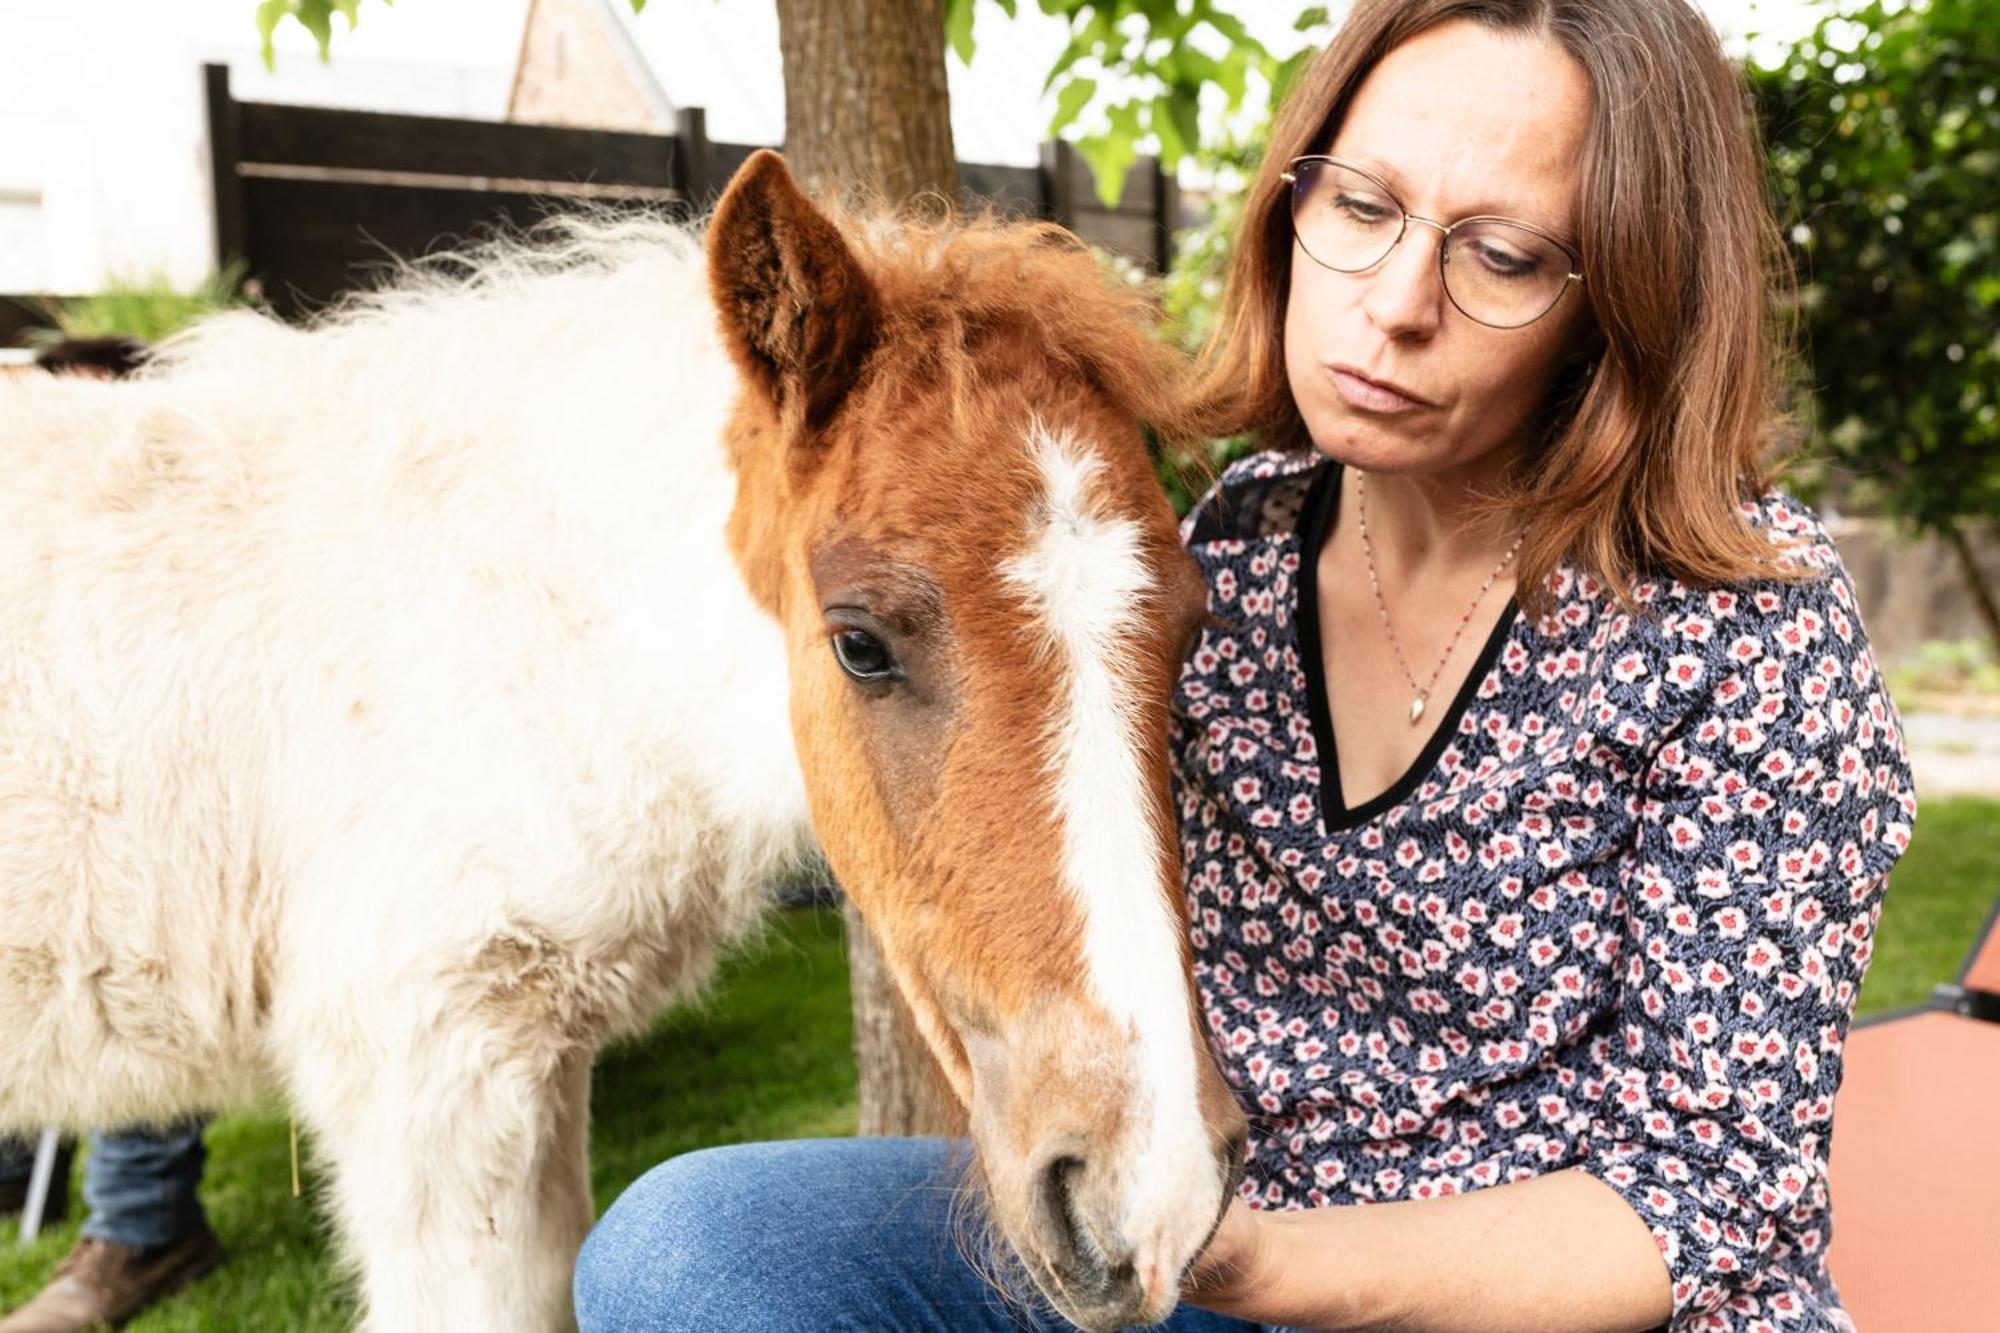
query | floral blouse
(1614,917)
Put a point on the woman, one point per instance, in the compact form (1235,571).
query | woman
(1537,788)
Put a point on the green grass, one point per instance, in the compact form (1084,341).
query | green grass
(766,1056)
(1939,894)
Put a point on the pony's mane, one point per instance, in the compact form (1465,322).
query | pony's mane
(963,286)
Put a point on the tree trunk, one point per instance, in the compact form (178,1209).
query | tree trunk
(1975,583)
(868,121)
(867,112)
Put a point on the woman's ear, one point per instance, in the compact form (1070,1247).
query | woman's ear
(798,313)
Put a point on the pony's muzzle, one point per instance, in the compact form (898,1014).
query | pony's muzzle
(1100,1275)
(1089,1264)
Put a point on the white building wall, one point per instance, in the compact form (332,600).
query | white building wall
(104,170)
(101,147)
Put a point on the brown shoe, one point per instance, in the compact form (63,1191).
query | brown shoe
(103,1284)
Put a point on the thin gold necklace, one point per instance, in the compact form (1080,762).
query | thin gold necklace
(1420,693)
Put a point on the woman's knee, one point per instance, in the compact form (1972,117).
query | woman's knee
(728,1237)
(658,1247)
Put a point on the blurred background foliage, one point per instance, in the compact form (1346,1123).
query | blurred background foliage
(1883,128)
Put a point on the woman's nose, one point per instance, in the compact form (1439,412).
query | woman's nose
(1405,297)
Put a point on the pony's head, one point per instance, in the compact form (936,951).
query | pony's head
(946,501)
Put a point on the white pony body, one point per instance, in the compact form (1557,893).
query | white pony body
(384,719)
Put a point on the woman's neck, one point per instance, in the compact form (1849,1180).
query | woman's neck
(1429,527)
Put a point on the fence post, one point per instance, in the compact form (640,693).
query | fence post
(695,164)
(1166,216)
(1058,182)
(225,150)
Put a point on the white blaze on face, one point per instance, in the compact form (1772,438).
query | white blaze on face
(1084,573)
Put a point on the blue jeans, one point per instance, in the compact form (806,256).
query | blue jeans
(804,1237)
(140,1184)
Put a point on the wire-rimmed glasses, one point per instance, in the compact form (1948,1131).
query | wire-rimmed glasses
(1498,271)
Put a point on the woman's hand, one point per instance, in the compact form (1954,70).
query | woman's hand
(1232,1266)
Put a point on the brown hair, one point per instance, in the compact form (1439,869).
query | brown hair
(1645,449)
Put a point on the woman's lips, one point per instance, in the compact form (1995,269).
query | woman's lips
(1371,395)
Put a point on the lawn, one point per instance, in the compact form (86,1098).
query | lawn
(767,1057)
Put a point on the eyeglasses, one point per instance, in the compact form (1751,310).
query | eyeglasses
(1498,272)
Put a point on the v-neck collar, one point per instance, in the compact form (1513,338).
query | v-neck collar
(1315,521)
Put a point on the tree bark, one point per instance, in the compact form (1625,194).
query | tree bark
(868,122)
(867,111)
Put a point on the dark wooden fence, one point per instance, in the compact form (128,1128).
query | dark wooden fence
(313,200)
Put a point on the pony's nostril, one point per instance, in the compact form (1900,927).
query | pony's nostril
(1064,1231)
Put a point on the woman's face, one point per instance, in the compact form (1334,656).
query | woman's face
(1459,121)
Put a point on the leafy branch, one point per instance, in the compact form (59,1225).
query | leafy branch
(1161,54)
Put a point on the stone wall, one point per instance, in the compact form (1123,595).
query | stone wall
(1911,591)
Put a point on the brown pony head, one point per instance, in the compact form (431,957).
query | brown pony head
(945,499)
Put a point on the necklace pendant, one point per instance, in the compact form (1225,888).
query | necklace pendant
(1416,709)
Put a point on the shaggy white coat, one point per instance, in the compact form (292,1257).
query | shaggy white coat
(383,718)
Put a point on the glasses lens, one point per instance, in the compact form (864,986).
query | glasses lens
(1343,219)
(1503,275)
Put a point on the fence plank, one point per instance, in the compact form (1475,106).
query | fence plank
(317,239)
(1015,191)
(1137,238)
(375,141)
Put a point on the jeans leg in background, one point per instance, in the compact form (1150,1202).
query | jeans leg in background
(142,1185)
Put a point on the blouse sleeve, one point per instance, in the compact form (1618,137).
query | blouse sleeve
(1770,816)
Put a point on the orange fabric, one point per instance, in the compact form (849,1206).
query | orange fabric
(1916,1176)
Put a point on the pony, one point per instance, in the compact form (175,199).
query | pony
(395,710)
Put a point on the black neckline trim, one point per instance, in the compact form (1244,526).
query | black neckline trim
(1315,517)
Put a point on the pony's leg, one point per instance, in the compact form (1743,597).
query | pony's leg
(462,1192)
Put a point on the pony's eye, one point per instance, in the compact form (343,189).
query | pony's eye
(862,656)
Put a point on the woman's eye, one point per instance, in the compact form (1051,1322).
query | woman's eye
(862,656)
(1505,263)
(1359,210)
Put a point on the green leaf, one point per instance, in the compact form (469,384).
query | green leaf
(1173,144)
(1110,156)
(1196,68)
(1073,98)
(958,28)
(318,20)
(1232,74)
(1072,53)
(1232,29)
(269,14)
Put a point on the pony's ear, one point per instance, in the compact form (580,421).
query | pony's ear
(799,314)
